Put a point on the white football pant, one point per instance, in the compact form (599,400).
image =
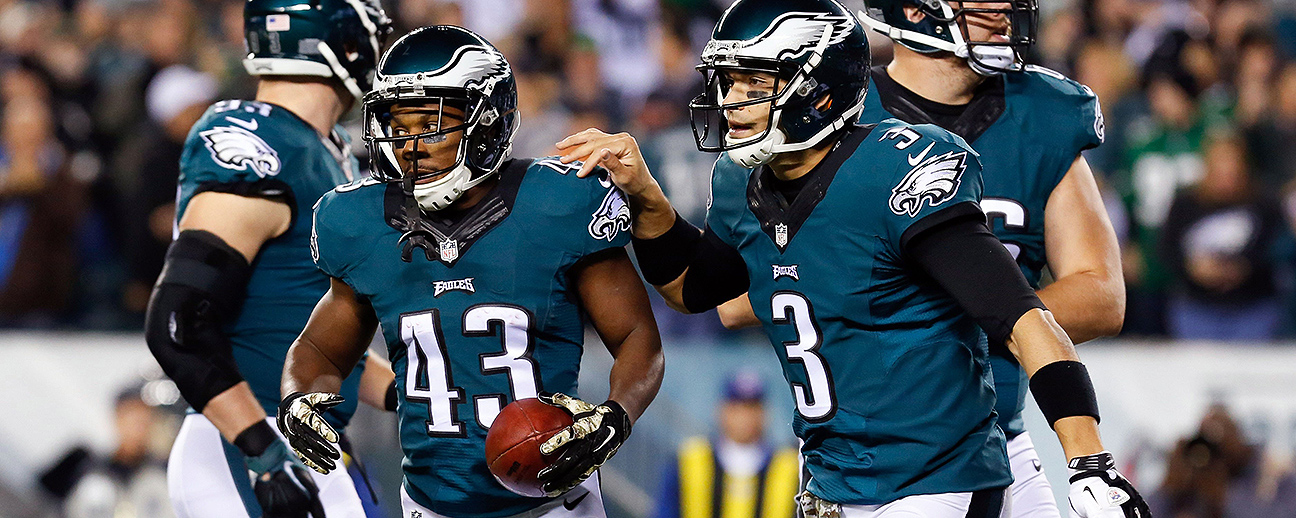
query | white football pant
(207,478)
(1032,496)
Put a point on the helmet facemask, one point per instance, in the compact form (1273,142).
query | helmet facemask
(795,93)
(709,113)
(952,34)
(434,188)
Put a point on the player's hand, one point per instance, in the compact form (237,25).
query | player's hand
(301,421)
(585,445)
(1099,491)
(618,153)
(282,486)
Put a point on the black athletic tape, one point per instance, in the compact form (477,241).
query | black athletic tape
(716,274)
(663,258)
(1063,389)
(389,403)
(201,287)
(255,439)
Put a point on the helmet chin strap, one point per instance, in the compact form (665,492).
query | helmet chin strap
(339,71)
(760,150)
(434,196)
(990,60)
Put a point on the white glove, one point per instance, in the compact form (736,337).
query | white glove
(1099,491)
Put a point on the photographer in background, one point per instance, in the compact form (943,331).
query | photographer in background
(1216,473)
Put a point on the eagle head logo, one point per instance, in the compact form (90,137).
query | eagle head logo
(612,216)
(240,149)
(933,181)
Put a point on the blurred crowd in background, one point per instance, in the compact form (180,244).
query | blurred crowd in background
(1199,98)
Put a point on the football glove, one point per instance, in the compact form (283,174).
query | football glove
(1099,491)
(282,486)
(301,421)
(592,439)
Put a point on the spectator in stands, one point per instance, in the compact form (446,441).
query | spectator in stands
(1217,242)
(1216,474)
(40,208)
(176,99)
(1160,153)
(729,476)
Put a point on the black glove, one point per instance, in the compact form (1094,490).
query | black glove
(282,486)
(585,445)
(1099,491)
(301,421)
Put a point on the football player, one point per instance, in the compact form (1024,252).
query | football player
(1029,125)
(482,272)
(239,283)
(869,265)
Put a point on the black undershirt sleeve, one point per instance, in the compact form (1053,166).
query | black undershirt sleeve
(716,274)
(962,255)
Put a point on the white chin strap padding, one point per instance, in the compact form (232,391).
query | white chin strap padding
(989,60)
(434,196)
(759,151)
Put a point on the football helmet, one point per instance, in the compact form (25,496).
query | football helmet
(443,65)
(944,29)
(814,48)
(321,38)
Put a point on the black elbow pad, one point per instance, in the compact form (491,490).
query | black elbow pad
(200,289)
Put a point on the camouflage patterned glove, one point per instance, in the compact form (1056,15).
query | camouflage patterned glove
(585,445)
(301,421)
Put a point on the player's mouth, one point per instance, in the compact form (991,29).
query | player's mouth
(739,130)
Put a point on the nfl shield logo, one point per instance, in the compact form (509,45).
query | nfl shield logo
(780,235)
(449,250)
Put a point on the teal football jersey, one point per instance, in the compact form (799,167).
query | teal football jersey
(258,149)
(890,376)
(1028,127)
(491,317)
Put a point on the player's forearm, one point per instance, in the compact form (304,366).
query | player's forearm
(653,213)
(308,370)
(1087,305)
(376,382)
(738,313)
(1037,340)
(234,410)
(637,371)
(1078,435)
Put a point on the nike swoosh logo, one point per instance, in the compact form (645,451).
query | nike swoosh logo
(914,161)
(1036,462)
(1091,495)
(252,124)
(571,504)
(607,439)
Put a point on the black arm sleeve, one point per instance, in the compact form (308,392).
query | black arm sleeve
(966,259)
(200,289)
(716,274)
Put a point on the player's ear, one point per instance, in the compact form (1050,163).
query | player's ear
(914,14)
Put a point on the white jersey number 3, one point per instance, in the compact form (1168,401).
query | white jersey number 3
(815,402)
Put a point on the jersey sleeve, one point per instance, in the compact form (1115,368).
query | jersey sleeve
(235,151)
(928,189)
(608,224)
(727,199)
(328,241)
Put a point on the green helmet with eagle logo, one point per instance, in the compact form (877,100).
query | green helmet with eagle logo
(816,48)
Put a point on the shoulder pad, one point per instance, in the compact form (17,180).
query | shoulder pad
(1063,102)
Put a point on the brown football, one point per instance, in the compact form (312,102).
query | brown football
(513,443)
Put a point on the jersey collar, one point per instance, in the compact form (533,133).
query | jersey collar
(983,111)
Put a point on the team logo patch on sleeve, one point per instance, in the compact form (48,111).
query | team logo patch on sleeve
(934,181)
(240,149)
(612,216)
